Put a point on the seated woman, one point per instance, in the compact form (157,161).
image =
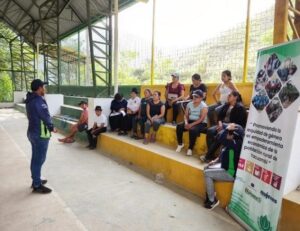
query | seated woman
(197,85)
(174,92)
(100,125)
(80,126)
(232,112)
(142,115)
(195,121)
(118,109)
(133,106)
(155,117)
(224,89)
(224,167)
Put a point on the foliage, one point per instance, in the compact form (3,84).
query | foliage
(6,88)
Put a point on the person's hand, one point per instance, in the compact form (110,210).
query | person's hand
(187,126)
(231,127)
(54,130)
(219,126)
(154,117)
(211,163)
(173,101)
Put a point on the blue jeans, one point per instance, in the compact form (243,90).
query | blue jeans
(39,147)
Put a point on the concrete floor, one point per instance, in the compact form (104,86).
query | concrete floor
(90,191)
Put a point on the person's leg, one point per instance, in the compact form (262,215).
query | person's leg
(90,137)
(167,106)
(212,175)
(38,158)
(179,133)
(212,145)
(135,123)
(211,114)
(193,134)
(175,107)
(156,125)
(147,131)
(95,136)
(112,123)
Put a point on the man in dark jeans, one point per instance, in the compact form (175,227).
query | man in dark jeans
(39,132)
(231,112)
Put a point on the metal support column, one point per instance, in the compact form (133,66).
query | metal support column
(78,59)
(110,53)
(280,21)
(245,74)
(12,65)
(91,44)
(153,43)
(58,48)
(116,46)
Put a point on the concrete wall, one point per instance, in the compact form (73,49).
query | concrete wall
(54,101)
(19,96)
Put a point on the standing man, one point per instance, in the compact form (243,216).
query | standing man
(39,132)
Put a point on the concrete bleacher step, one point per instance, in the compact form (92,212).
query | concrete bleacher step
(20,107)
(72,111)
(183,171)
(167,135)
(74,100)
(290,212)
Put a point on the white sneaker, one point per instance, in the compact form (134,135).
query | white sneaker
(189,152)
(179,147)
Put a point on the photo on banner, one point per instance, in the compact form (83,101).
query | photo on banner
(262,169)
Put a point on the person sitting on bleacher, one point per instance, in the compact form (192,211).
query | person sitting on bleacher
(197,85)
(80,126)
(224,89)
(100,125)
(231,112)
(142,115)
(195,121)
(133,106)
(118,109)
(155,117)
(174,92)
(224,167)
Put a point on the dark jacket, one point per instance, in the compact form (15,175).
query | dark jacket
(40,124)
(238,114)
(116,105)
(231,150)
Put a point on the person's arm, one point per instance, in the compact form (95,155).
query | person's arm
(217,160)
(214,93)
(202,116)
(232,86)
(240,116)
(186,115)
(204,90)
(148,112)
(162,112)
(139,103)
(44,115)
(166,92)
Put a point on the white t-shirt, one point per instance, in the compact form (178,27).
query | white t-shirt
(134,104)
(102,119)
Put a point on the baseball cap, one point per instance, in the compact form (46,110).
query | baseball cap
(36,84)
(82,102)
(176,75)
(98,108)
(198,93)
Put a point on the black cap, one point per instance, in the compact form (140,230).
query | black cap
(82,102)
(98,108)
(135,90)
(36,84)
(198,93)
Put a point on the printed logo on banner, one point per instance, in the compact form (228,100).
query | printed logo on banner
(264,223)
(249,166)
(276,181)
(241,164)
(266,176)
(257,171)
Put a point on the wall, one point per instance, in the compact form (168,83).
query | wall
(19,96)
(54,102)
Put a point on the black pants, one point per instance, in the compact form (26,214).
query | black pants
(212,142)
(141,121)
(175,107)
(93,137)
(127,122)
(115,122)
(193,133)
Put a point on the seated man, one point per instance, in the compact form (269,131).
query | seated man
(100,124)
(80,126)
(224,167)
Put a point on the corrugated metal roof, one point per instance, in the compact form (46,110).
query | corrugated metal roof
(29,18)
